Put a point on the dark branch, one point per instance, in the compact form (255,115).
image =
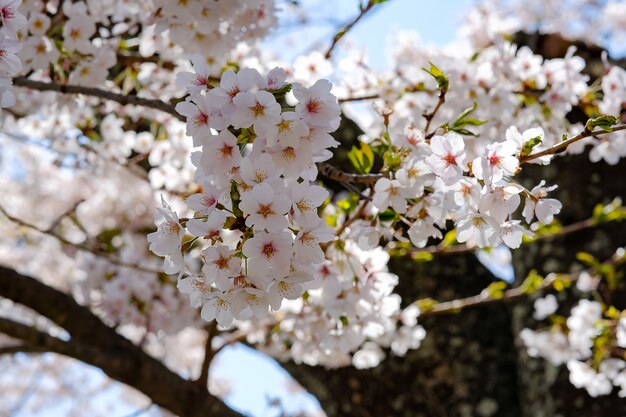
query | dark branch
(97,344)
(96,92)
(209,354)
(342,32)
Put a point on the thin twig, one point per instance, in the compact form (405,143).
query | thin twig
(521,291)
(564,144)
(334,173)
(346,28)
(430,116)
(60,218)
(358,98)
(66,242)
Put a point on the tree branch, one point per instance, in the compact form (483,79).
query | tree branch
(97,344)
(209,354)
(564,144)
(123,99)
(521,291)
(49,231)
(324,168)
(336,174)
(346,28)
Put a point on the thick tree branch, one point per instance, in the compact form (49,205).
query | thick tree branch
(97,344)
(209,353)
(34,339)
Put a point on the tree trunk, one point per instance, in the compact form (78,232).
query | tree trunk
(545,390)
(465,366)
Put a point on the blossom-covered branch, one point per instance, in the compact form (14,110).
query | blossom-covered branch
(565,143)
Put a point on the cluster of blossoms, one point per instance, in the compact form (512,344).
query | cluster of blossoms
(11,21)
(437,182)
(208,27)
(587,340)
(595,22)
(253,245)
(521,87)
(257,211)
(126,287)
(98,35)
(349,313)
(260,235)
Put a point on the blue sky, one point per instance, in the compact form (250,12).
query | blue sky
(435,21)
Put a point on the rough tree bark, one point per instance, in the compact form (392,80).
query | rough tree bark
(465,366)
(95,343)
(546,390)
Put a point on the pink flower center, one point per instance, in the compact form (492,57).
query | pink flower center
(450,159)
(7,13)
(226,150)
(200,80)
(221,262)
(313,106)
(202,119)
(209,201)
(494,159)
(268,250)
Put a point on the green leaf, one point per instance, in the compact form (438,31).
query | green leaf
(442,81)
(422,256)
(362,159)
(349,203)
(587,259)
(496,289)
(450,238)
(235,197)
(387,215)
(528,146)
(331,220)
(467,112)
(426,304)
(281,91)
(561,282)
(603,122)
(463,120)
(532,282)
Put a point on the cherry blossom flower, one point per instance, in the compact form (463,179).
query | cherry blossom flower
(265,208)
(388,193)
(497,161)
(269,253)
(254,108)
(448,156)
